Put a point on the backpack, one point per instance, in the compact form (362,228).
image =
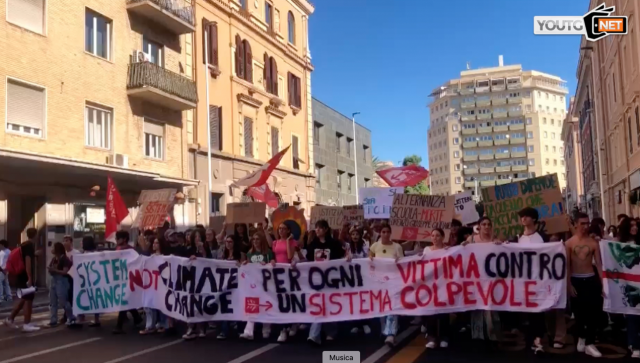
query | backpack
(15,262)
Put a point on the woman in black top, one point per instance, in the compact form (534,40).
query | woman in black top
(197,248)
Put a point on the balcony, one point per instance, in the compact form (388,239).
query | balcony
(482,89)
(498,142)
(484,116)
(469,157)
(470,184)
(470,171)
(486,157)
(500,128)
(487,170)
(488,183)
(514,83)
(452,118)
(467,91)
(503,181)
(516,113)
(500,114)
(160,86)
(485,143)
(518,179)
(498,101)
(519,154)
(175,15)
(468,131)
(485,130)
(503,155)
(468,117)
(497,88)
(467,104)
(516,127)
(481,103)
(517,140)
(556,86)
(514,100)
(502,169)
(469,144)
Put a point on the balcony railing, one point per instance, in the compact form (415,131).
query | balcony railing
(161,86)
(176,15)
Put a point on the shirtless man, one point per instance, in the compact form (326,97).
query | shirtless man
(585,288)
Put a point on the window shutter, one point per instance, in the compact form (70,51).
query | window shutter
(205,31)
(153,128)
(213,42)
(289,90)
(239,57)
(294,151)
(267,74)
(274,76)
(248,137)
(275,140)
(28,14)
(248,58)
(25,105)
(298,93)
(215,118)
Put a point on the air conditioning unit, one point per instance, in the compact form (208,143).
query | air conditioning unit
(120,160)
(140,56)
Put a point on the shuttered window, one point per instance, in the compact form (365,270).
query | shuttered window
(211,30)
(248,137)
(239,57)
(248,59)
(28,14)
(270,75)
(153,140)
(275,140)
(267,74)
(26,108)
(295,92)
(215,123)
(294,152)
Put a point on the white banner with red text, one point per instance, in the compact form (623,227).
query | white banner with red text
(621,277)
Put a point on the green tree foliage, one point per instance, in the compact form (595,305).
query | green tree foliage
(420,188)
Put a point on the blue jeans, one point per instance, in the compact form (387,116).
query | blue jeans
(5,289)
(59,296)
(331,329)
(155,318)
(390,325)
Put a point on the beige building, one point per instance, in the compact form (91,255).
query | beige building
(608,108)
(90,89)
(378,182)
(259,100)
(495,125)
(574,191)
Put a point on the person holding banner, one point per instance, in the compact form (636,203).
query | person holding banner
(230,251)
(59,291)
(156,320)
(359,249)
(439,325)
(122,243)
(386,248)
(284,249)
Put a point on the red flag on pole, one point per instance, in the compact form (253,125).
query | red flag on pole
(263,194)
(116,210)
(404,176)
(261,175)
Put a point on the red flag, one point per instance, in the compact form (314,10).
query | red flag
(261,175)
(116,210)
(263,194)
(404,176)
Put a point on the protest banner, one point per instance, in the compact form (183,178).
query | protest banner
(191,291)
(621,277)
(376,202)
(155,206)
(353,214)
(413,217)
(251,212)
(333,215)
(510,277)
(502,203)
(465,210)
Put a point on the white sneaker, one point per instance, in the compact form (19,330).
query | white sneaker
(355,331)
(444,344)
(246,336)
(592,351)
(329,338)
(558,345)
(303,326)
(366,329)
(30,327)
(390,341)
(581,345)
(431,345)
(282,337)
(635,354)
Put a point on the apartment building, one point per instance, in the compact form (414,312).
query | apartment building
(494,126)
(90,89)
(574,191)
(337,154)
(253,69)
(607,96)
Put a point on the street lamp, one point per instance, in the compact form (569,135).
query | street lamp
(355,155)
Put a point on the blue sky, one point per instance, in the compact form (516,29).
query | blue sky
(383,60)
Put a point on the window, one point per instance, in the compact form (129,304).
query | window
(211,30)
(544,120)
(365,150)
(554,149)
(561,162)
(275,140)
(630,136)
(553,136)
(270,75)
(456,141)
(292,28)
(552,122)
(546,95)
(26,108)
(295,91)
(349,146)
(339,180)
(97,34)
(215,122)
(294,152)
(243,4)
(349,179)
(546,148)
(319,176)
(153,140)
(530,135)
(544,134)
(338,141)
(555,162)
(98,126)
(244,59)
(456,167)
(454,127)
(456,154)
(28,14)
(268,15)
(530,148)
(154,51)
(532,162)
(216,199)
(546,161)
(316,133)
(248,137)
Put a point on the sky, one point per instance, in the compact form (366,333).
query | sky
(383,58)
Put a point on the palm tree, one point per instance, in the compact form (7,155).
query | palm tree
(376,163)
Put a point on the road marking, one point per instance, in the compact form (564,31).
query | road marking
(252,354)
(373,358)
(142,352)
(47,351)
(410,352)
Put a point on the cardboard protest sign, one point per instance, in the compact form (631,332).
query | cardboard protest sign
(475,277)
(251,212)
(333,215)
(413,216)
(155,206)
(353,214)
(502,203)
(376,202)
(621,277)
(465,210)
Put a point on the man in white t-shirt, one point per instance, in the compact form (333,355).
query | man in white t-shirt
(67,241)
(5,289)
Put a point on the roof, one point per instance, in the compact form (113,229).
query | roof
(340,113)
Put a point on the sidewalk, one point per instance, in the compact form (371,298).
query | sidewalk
(41,300)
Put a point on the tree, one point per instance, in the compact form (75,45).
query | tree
(376,163)
(420,188)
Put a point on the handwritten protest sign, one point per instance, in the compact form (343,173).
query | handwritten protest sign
(621,277)
(414,217)
(155,206)
(502,203)
(376,202)
(353,214)
(251,212)
(465,210)
(333,215)
(475,277)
